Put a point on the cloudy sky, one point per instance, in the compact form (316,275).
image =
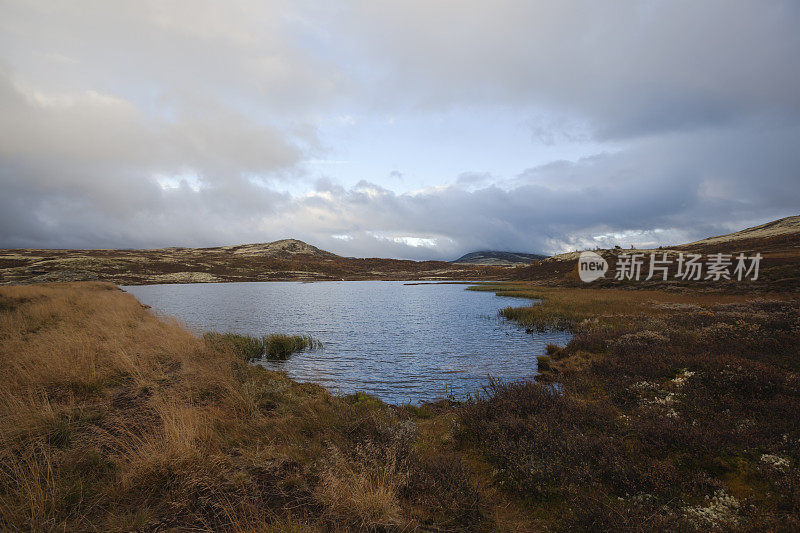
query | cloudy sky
(414,129)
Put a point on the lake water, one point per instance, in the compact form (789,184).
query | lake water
(399,342)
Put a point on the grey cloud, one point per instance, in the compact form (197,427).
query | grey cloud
(630,68)
(653,193)
(240,51)
(101,100)
(82,170)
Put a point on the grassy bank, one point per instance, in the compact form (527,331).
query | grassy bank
(672,411)
(111,419)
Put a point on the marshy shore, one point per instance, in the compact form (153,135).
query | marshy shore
(672,410)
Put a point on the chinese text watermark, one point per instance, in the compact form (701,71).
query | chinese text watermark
(689,267)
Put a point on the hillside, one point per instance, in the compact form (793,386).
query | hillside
(495,258)
(283,260)
(778,242)
(775,234)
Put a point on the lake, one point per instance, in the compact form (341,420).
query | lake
(400,342)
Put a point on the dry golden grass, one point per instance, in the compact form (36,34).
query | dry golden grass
(87,374)
(112,419)
(567,306)
(366,491)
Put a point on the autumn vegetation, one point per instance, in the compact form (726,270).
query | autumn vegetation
(111,419)
(667,411)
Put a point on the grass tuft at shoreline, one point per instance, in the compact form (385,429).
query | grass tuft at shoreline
(275,346)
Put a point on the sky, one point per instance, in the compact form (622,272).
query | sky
(419,129)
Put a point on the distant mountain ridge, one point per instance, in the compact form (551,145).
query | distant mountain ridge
(781,234)
(291,259)
(283,260)
(496,258)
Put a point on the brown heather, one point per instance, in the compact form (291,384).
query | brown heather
(670,411)
(667,411)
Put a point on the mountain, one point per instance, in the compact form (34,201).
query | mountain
(284,260)
(495,258)
(289,259)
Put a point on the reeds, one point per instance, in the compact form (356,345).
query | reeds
(278,346)
(275,346)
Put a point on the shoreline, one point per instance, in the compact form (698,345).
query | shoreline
(116,419)
(520,350)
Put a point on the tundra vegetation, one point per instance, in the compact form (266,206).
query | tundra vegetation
(666,411)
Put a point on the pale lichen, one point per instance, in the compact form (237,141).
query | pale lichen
(721,512)
(775,461)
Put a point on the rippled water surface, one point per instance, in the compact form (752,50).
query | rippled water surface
(402,343)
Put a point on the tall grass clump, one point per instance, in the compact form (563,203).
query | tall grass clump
(274,346)
(279,346)
(246,346)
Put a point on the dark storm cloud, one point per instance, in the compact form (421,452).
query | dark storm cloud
(628,67)
(153,124)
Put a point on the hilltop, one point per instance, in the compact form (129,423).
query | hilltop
(282,249)
(495,258)
(283,260)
